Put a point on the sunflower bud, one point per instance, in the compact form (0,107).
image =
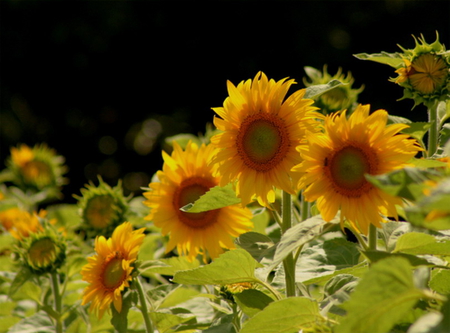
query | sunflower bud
(102,208)
(37,168)
(339,98)
(42,252)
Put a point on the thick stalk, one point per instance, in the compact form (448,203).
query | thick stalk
(58,301)
(144,308)
(288,262)
(433,132)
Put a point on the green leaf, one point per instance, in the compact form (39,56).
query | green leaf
(420,243)
(38,322)
(385,294)
(356,270)
(375,256)
(440,281)
(417,130)
(215,198)
(167,266)
(319,89)
(251,301)
(231,267)
(165,321)
(285,316)
(406,183)
(297,236)
(258,245)
(20,279)
(391,59)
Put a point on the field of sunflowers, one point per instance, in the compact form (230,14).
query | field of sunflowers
(299,209)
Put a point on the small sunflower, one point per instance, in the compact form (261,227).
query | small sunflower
(260,130)
(336,161)
(36,168)
(43,251)
(109,271)
(102,208)
(186,175)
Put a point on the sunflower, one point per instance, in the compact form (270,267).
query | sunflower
(260,130)
(186,175)
(37,168)
(109,271)
(21,223)
(102,208)
(427,73)
(336,161)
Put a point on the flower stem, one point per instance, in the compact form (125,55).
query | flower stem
(58,301)
(434,129)
(144,308)
(288,262)
(372,237)
(304,208)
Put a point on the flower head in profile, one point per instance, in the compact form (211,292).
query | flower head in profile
(109,271)
(36,168)
(43,251)
(21,223)
(260,129)
(336,161)
(185,176)
(102,208)
(339,98)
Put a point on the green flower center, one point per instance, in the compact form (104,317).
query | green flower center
(262,141)
(188,192)
(42,253)
(113,273)
(347,168)
(99,212)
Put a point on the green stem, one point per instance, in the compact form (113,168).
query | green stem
(304,208)
(144,308)
(58,301)
(372,237)
(288,262)
(434,129)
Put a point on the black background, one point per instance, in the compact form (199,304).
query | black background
(86,77)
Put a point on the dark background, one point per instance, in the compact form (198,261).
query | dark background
(105,82)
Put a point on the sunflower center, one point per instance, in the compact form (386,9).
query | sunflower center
(99,211)
(262,141)
(347,168)
(42,252)
(113,272)
(38,172)
(188,192)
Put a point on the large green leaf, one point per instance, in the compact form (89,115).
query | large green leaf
(258,245)
(319,89)
(385,294)
(440,281)
(285,316)
(391,59)
(166,320)
(297,236)
(167,266)
(420,243)
(215,198)
(252,301)
(231,267)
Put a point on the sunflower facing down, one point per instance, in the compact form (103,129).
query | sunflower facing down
(108,272)
(260,130)
(335,162)
(186,175)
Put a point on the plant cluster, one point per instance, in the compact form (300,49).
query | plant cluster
(300,211)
